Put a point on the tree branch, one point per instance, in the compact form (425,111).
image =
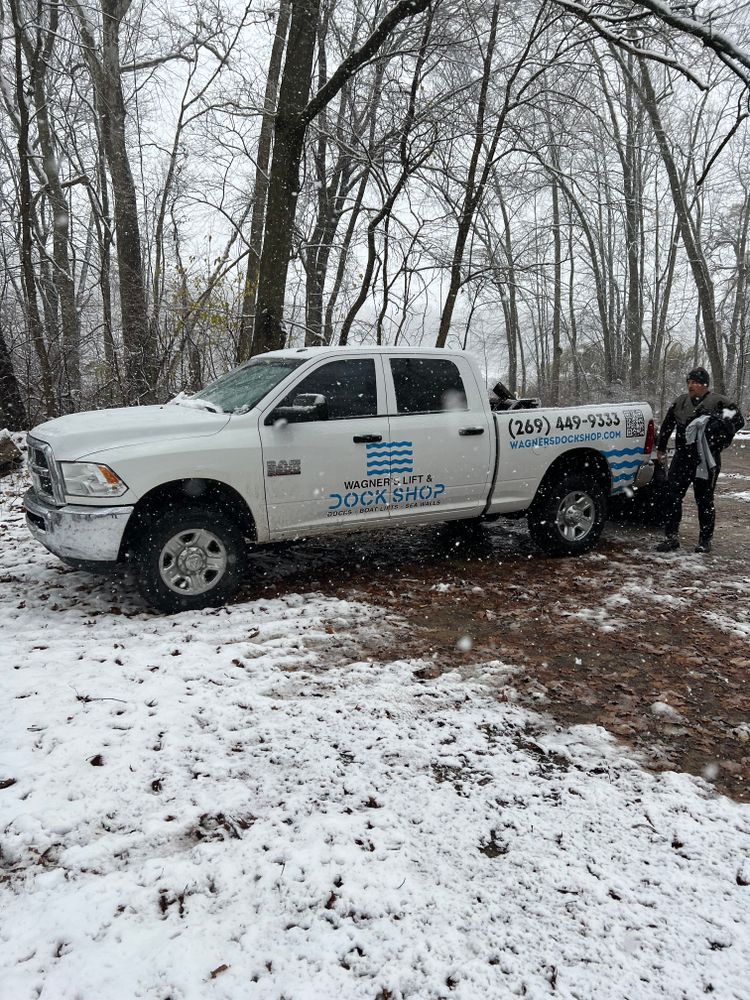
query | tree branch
(403,10)
(728,51)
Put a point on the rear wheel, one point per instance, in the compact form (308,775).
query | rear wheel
(189,558)
(568,515)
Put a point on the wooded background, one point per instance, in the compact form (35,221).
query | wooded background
(562,187)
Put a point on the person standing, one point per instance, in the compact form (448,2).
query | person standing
(705,422)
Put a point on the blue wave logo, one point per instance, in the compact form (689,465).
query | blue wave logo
(631,465)
(624,465)
(618,453)
(389,457)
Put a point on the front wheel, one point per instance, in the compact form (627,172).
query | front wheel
(568,515)
(189,558)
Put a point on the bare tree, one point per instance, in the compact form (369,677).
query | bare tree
(625,26)
(337,162)
(294,114)
(31,303)
(409,161)
(260,190)
(102,56)
(628,152)
(38,38)
(690,240)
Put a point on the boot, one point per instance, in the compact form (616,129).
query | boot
(704,545)
(670,543)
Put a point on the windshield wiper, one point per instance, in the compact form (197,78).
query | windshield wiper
(196,403)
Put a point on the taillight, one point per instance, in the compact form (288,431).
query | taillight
(650,434)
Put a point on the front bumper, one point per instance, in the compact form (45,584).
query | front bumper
(93,534)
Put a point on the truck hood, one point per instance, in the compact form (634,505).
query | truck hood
(82,434)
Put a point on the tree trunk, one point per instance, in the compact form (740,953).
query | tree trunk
(596,264)
(293,116)
(105,286)
(331,204)
(62,274)
(572,322)
(344,254)
(633,224)
(364,288)
(513,326)
(283,182)
(140,352)
(694,250)
(260,192)
(356,208)
(472,185)
(740,291)
(33,317)
(103,61)
(557,298)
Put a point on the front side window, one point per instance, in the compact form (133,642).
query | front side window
(349,386)
(427,385)
(240,390)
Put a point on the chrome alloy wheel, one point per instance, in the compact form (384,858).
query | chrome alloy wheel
(192,561)
(576,516)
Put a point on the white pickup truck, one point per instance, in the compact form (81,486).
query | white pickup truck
(318,440)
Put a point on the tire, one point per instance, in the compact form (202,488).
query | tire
(568,515)
(188,558)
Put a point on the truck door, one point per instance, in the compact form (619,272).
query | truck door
(320,471)
(440,437)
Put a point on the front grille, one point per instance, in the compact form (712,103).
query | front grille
(44,477)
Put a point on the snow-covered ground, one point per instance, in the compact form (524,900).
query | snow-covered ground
(224,805)
(739,478)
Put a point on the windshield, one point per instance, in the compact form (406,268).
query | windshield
(238,391)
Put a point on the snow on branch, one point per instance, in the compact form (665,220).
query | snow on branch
(610,24)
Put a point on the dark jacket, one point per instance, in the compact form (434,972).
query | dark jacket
(726,420)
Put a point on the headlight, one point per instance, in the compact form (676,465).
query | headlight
(88,479)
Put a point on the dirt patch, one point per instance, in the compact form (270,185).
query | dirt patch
(656,648)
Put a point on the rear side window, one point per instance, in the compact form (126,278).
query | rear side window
(427,385)
(349,385)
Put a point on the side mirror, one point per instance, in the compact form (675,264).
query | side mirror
(305,407)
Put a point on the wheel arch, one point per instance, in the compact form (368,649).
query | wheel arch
(180,491)
(580,461)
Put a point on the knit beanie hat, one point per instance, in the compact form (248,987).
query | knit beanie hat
(699,375)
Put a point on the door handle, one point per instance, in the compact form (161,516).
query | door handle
(469,431)
(367,438)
